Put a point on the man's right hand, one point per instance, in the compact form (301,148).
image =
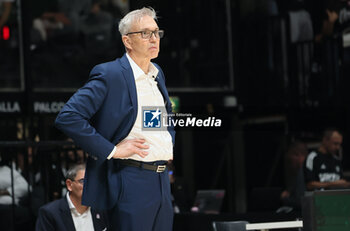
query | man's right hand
(127,148)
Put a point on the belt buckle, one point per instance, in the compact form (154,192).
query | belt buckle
(161,168)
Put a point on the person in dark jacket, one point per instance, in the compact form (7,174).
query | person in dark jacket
(68,213)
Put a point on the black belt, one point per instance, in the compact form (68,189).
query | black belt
(139,164)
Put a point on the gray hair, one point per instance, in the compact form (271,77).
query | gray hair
(127,21)
(73,171)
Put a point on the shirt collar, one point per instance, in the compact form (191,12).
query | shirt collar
(137,71)
(70,203)
(72,207)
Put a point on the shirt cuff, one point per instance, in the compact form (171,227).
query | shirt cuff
(112,153)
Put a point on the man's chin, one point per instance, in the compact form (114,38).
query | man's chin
(154,56)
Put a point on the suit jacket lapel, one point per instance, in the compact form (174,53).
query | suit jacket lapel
(162,89)
(66,215)
(130,80)
(97,220)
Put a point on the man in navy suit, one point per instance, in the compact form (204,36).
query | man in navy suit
(68,213)
(126,168)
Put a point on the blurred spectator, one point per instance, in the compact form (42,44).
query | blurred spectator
(5,10)
(322,167)
(295,186)
(68,213)
(60,20)
(48,18)
(336,16)
(12,191)
(67,20)
(97,27)
(20,185)
(67,38)
(301,29)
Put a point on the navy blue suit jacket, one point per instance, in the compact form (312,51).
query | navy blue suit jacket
(100,115)
(56,216)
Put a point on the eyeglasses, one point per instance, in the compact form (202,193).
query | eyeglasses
(80,181)
(147,34)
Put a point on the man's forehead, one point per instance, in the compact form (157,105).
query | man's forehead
(336,135)
(336,138)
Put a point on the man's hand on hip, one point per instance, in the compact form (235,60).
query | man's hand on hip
(127,148)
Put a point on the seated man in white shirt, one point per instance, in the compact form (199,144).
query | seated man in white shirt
(20,186)
(68,213)
(13,192)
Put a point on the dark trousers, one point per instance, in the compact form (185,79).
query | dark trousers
(144,203)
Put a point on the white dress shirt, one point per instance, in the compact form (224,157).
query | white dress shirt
(82,222)
(20,185)
(148,94)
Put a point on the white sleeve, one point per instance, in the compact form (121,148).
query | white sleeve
(112,153)
(20,186)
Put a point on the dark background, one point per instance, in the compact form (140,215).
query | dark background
(279,99)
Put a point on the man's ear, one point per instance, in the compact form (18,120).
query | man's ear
(69,185)
(127,42)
